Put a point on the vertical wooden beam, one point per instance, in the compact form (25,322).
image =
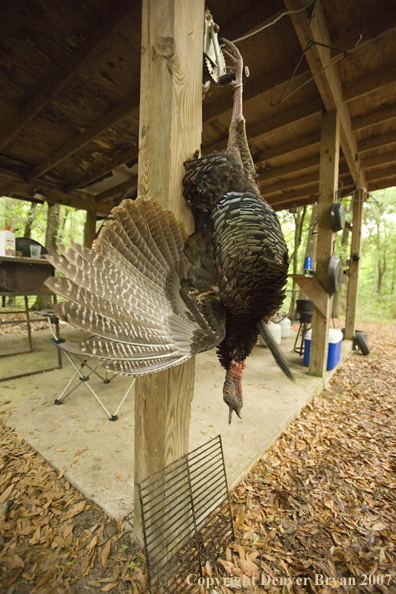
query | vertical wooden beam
(170,130)
(354,266)
(90,228)
(328,181)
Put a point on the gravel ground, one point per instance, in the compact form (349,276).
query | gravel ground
(317,514)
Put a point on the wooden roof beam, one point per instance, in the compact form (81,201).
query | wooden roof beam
(298,181)
(79,200)
(385,113)
(311,141)
(269,173)
(270,126)
(118,158)
(364,86)
(380,141)
(118,189)
(380,160)
(382,184)
(78,142)
(59,80)
(328,82)
(285,205)
(381,174)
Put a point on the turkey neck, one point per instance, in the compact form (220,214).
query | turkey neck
(241,336)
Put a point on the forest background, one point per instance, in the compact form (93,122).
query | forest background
(53,224)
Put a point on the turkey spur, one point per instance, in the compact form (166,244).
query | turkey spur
(152,297)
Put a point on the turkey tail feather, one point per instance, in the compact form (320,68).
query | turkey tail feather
(134,291)
(276,352)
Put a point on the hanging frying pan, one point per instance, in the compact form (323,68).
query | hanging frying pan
(337,217)
(334,275)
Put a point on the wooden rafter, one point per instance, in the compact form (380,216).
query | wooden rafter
(364,86)
(271,126)
(378,160)
(379,141)
(294,146)
(79,200)
(118,189)
(118,158)
(327,81)
(60,80)
(289,169)
(77,143)
(383,114)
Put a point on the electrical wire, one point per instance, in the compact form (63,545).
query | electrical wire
(273,22)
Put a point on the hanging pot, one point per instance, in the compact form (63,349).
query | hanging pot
(337,217)
(334,275)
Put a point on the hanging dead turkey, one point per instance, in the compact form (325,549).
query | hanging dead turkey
(153,297)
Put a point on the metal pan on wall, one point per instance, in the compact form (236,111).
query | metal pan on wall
(334,275)
(337,217)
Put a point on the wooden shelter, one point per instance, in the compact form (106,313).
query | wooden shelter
(321,119)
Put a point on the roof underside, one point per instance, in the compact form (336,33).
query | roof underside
(69,102)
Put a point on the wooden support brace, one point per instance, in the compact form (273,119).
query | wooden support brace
(314,290)
(356,251)
(328,182)
(170,131)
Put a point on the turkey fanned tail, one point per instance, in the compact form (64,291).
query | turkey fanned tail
(147,306)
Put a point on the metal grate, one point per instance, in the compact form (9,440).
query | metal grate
(186,517)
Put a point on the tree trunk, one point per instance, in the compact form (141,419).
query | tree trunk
(51,235)
(29,220)
(62,224)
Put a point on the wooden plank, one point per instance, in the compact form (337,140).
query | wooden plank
(287,148)
(80,200)
(379,160)
(304,201)
(297,182)
(385,113)
(271,173)
(354,266)
(170,132)
(118,189)
(78,142)
(382,184)
(90,228)
(117,158)
(327,79)
(370,84)
(380,141)
(381,173)
(328,182)
(271,126)
(60,80)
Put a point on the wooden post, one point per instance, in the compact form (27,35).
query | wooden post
(354,266)
(328,181)
(170,128)
(90,228)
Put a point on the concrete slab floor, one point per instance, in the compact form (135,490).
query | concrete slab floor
(98,455)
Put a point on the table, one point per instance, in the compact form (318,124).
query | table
(24,277)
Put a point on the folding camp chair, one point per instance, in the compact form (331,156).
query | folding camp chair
(83,369)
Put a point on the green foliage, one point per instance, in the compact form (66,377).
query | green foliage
(14,212)
(377,282)
(378,260)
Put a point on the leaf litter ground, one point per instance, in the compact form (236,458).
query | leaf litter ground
(319,506)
